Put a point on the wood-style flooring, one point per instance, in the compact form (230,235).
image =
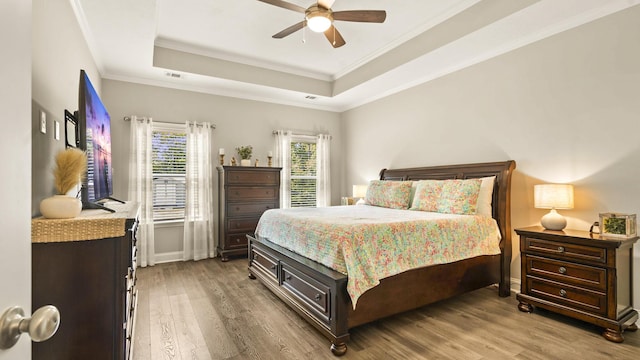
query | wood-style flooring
(211,310)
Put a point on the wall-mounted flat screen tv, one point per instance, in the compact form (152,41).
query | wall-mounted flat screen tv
(95,138)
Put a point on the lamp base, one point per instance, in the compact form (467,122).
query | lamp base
(361,202)
(553,221)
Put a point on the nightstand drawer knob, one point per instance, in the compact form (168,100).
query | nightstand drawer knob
(563,293)
(561,249)
(562,270)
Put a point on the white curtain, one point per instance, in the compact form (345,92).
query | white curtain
(141,186)
(283,160)
(199,237)
(323,183)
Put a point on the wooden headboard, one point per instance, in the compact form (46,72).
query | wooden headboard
(501,202)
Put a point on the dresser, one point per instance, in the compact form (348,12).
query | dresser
(244,194)
(86,267)
(581,275)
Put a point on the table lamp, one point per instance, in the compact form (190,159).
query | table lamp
(360,191)
(553,196)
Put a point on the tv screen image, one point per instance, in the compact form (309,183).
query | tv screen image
(95,138)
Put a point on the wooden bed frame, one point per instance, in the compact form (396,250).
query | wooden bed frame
(319,293)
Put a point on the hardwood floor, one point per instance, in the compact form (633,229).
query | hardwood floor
(212,310)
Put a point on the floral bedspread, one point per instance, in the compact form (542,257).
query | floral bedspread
(369,243)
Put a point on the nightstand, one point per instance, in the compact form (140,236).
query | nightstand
(581,275)
(347,200)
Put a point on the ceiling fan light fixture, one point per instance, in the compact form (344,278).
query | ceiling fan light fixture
(318,19)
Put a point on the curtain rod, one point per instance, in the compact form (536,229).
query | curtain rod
(128,118)
(300,134)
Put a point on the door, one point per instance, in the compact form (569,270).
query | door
(15,160)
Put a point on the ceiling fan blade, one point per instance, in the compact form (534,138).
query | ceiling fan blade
(334,37)
(290,30)
(374,16)
(286,5)
(327,4)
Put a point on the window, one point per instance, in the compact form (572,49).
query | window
(169,147)
(303,174)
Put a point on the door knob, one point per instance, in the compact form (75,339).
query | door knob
(41,325)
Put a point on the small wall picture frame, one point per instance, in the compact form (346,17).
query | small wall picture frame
(618,225)
(71,130)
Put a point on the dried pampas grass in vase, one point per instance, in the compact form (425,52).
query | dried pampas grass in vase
(71,167)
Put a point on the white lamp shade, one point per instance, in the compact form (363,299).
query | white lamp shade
(359,191)
(553,196)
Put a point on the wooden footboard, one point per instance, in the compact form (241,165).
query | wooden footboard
(319,293)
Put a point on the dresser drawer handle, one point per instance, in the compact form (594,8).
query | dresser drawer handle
(318,297)
(273,267)
(238,240)
(561,249)
(288,277)
(562,270)
(563,293)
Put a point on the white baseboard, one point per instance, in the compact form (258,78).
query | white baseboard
(169,257)
(515,285)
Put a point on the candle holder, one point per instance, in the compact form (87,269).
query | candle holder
(221,159)
(269,160)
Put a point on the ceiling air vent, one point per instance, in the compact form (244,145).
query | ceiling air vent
(173,75)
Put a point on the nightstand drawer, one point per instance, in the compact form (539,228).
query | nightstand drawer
(567,272)
(239,209)
(565,250)
(236,193)
(575,298)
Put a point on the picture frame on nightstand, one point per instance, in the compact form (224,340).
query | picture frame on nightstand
(618,225)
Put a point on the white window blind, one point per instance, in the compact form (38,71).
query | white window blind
(303,174)
(169,147)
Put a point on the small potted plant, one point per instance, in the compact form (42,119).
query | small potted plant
(245,154)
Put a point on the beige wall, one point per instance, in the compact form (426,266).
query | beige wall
(565,109)
(59,51)
(238,122)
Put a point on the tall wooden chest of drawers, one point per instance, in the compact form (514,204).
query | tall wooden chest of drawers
(579,274)
(244,194)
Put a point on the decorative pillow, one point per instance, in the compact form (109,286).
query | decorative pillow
(390,194)
(459,196)
(426,195)
(485,196)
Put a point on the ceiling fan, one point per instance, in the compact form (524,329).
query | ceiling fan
(319,18)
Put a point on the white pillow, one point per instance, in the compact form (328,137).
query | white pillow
(485,196)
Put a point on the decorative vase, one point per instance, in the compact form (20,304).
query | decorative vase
(60,207)
(245,162)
